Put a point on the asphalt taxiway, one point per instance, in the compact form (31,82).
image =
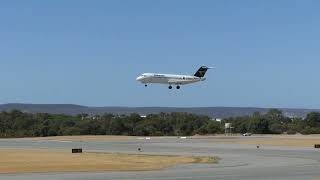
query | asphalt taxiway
(238,162)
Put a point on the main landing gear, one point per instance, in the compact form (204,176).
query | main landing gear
(170,87)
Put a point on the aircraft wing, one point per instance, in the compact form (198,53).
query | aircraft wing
(178,82)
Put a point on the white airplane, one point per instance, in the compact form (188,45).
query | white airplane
(173,79)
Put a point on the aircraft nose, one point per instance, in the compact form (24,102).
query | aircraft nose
(139,78)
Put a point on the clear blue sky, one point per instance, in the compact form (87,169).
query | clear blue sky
(266,53)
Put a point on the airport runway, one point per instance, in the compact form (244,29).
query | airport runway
(239,162)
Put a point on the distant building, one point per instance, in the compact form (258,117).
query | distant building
(228,129)
(217,120)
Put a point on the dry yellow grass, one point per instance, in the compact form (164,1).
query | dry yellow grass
(280,140)
(83,138)
(283,142)
(272,140)
(40,161)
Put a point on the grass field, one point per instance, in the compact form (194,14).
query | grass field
(276,140)
(84,138)
(283,142)
(41,161)
(272,140)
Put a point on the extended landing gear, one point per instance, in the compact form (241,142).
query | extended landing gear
(170,87)
(146,85)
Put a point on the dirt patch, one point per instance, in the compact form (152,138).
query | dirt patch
(41,161)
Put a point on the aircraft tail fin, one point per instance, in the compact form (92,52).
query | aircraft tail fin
(202,71)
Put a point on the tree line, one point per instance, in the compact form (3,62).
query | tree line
(274,122)
(19,124)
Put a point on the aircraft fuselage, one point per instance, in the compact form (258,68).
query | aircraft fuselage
(171,79)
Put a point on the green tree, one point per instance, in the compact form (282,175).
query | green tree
(313,119)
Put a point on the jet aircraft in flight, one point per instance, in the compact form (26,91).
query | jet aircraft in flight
(173,79)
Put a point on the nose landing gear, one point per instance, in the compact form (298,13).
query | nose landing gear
(146,85)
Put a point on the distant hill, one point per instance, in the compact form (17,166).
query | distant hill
(214,112)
